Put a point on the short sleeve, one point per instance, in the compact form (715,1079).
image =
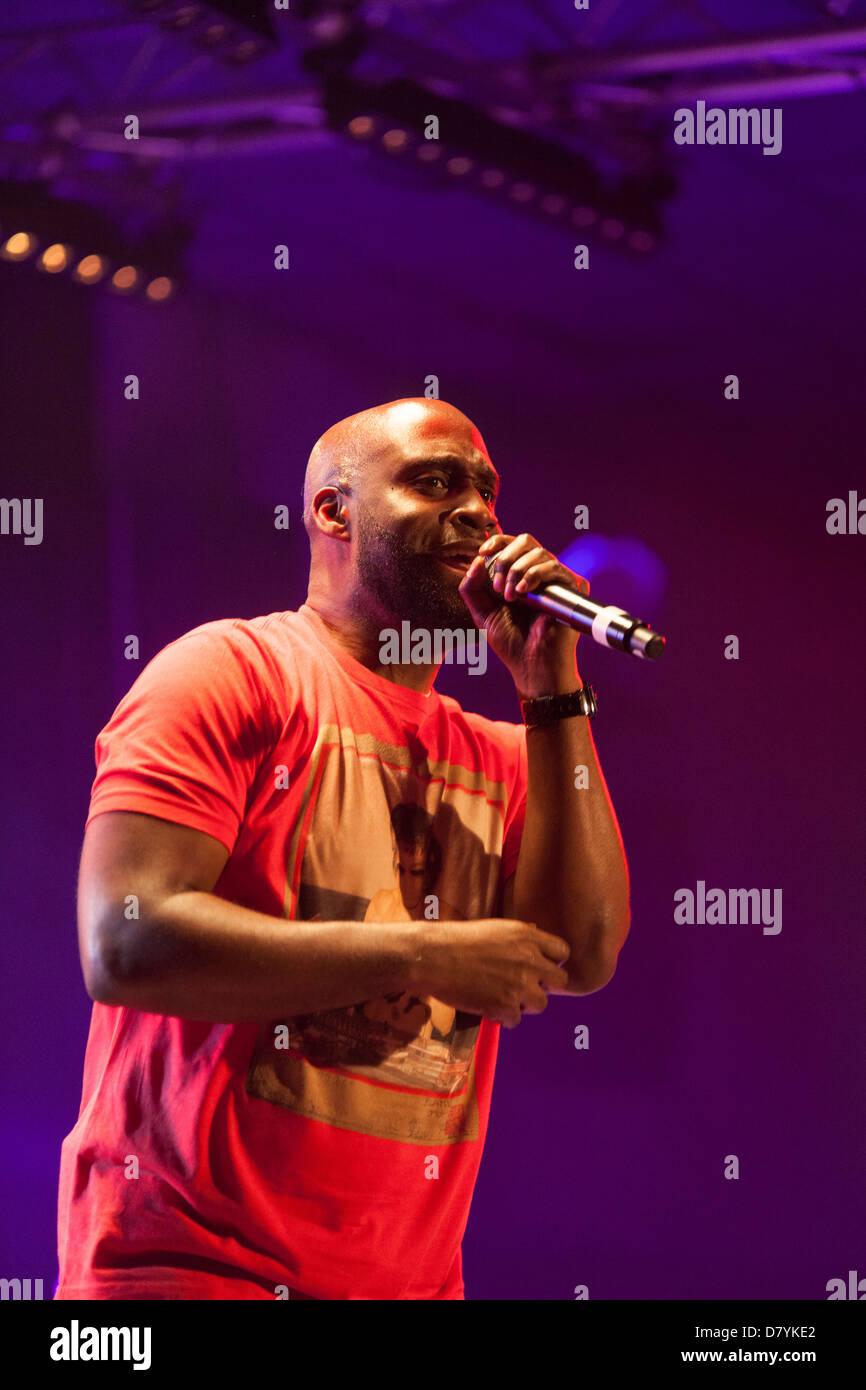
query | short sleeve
(187,740)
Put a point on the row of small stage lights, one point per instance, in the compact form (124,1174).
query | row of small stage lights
(90,269)
(398,140)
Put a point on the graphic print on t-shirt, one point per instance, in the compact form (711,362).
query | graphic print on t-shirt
(385,836)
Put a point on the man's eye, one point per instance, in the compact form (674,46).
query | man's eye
(487,493)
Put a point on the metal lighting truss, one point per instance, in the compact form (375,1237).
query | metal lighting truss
(541,90)
(608,104)
(790,65)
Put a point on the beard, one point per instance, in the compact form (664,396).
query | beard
(407,583)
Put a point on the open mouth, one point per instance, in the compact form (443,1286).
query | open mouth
(457,559)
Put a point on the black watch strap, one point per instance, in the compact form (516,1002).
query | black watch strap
(547,709)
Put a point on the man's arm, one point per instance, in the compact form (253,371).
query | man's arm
(192,954)
(571,876)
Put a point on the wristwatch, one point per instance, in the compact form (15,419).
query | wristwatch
(547,709)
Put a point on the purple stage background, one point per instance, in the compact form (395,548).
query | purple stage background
(604,1166)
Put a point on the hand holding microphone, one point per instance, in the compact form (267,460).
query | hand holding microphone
(521,571)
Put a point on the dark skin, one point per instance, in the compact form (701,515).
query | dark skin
(432,484)
(193,954)
(572,877)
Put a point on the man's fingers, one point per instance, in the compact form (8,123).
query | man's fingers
(552,946)
(476,593)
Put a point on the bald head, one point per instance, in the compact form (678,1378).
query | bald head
(347,452)
(386,492)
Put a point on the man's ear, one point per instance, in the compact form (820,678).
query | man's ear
(329,506)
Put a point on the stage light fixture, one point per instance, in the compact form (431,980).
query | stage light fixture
(362,127)
(55,258)
(125,279)
(90,270)
(178,16)
(159,289)
(82,240)
(338,36)
(234,31)
(498,157)
(641,241)
(18,246)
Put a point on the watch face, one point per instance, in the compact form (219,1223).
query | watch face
(590,701)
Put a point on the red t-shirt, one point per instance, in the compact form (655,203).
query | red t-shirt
(234,1160)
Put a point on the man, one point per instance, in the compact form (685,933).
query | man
(266,1110)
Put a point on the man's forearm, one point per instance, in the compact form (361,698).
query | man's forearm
(198,956)
(572,876)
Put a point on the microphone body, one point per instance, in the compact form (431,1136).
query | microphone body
(606,624)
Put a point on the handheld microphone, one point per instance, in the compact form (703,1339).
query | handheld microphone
(610,626)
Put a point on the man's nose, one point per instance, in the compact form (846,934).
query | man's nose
(473,509)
